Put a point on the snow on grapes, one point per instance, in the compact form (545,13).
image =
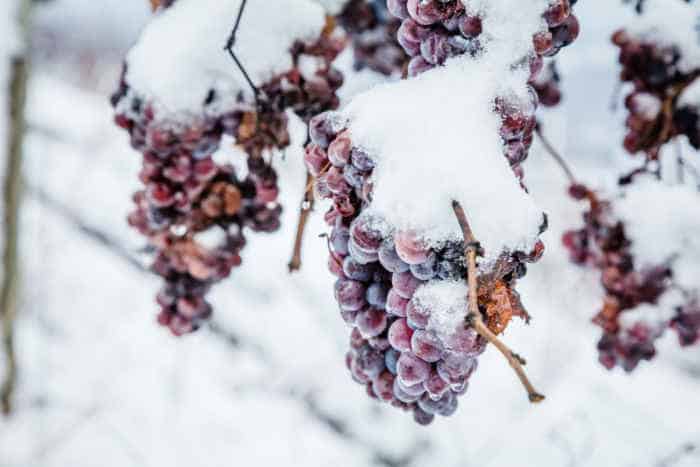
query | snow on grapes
(671,24)
(179,59)
(433,145)
(672,237)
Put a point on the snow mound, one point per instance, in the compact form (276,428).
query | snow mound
(507,36)
(180,55)
(432,145)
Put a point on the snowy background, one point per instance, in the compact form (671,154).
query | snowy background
(266,385)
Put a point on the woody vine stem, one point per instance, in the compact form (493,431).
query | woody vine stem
(474,319)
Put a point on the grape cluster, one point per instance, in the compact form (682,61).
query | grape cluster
(194,210)
(603,244)
(434,30)
(394,350)
(373,33)
(654,115)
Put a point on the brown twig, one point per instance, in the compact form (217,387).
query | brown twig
(229,48)
(11,198)
(555,154)
(307,205)
(474,318)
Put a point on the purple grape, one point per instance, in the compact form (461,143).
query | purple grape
(369,360)
(398,8)
(350,294)
(415,390)
(339,151)
(383,386)
(421,417)
(417,316)
(405,284)
(426,270)
(339,240)
(400,335)
(396,304)
(360,255)
(361,160)
(402,395)
(411,248)
(357,271)
(391,359)
(371,322)
(390,259)
(412,370)
(426,346)
(349,316)
(445,406)
(435,385)
(377,295)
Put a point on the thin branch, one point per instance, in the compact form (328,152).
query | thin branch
(555,154)
(474,318)
(11,198)
(307,205)
(229,48)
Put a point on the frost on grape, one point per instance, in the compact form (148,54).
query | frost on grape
(447,301)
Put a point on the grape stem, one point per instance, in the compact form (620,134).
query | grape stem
(307,205)
(474,318)
(555,154)
(229,48)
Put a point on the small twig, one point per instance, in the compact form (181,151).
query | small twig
(305,209)
(474,318)
(229,48)
(555,154)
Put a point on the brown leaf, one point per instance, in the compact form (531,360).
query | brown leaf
(501,304)
(499,310)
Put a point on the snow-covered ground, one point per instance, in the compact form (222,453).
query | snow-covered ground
(101,384)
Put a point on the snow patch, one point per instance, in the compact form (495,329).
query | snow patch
(447,302)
